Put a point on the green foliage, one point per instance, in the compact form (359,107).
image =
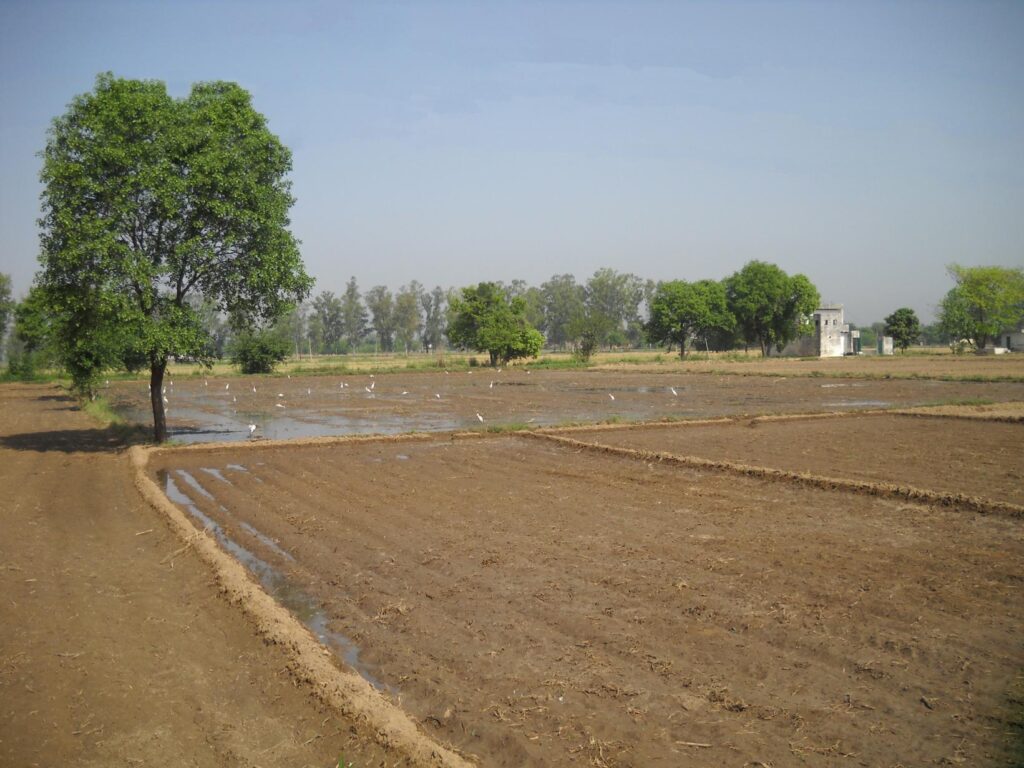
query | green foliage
(681,311)
(611,304)
(6,308)
(561,304)
(353,315)
(408,321)
(382,310)
(329,313)
(483,318)
(148,200)
(259,351)
(434,306)
(984,302)
(771,308)
(904,327)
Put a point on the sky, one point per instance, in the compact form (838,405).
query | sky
(866,145)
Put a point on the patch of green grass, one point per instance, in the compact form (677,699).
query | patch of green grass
(516,426)
(968,401)
(127,432)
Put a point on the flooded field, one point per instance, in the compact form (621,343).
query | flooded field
(217,409)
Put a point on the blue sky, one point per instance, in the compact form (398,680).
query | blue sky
(865,145)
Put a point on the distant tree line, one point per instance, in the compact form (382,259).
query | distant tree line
(758,306)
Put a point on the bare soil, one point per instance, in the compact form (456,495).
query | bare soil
(538,605)
(115,648)
(210,408)
(969,366)
(972,457)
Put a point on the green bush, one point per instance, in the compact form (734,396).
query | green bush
(259,352)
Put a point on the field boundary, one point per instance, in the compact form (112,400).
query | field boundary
(309,662)
(885,490)
(313,442)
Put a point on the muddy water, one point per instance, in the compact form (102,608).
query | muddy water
(312,406)
(301,604)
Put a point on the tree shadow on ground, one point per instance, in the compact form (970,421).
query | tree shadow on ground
(96,440)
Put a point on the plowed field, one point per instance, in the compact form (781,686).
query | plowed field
(534,604)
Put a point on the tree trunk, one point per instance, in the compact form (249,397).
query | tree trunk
(156,397)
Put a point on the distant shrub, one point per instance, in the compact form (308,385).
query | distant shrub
(259,352)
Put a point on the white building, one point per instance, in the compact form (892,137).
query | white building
(831,338)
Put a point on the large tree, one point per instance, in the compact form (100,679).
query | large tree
(904,327)
(408,321)
(148,199)
(330,313)
(681,311)
(434,309)
(382,312)
(6,308)
(771,308)
(984,302)
(353,315)
(562,302)
(485,319)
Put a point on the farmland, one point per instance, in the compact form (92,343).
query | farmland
(750,569)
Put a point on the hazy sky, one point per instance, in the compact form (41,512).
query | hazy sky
(865,145)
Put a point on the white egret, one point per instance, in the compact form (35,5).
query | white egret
(480,418)
(611,395)
(279,405)
(674,393)
(252,428)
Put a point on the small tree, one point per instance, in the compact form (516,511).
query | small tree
(148,200)
(681,311)
(904,327)
(259,351)
(484,319)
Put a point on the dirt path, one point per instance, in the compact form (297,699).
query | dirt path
(114,651)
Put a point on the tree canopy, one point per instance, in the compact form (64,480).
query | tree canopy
(984,302)
(681,311)
(904,327)
(485,319)
(770,307)
(6,308)
(149,199)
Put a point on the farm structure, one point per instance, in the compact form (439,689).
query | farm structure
(831,337)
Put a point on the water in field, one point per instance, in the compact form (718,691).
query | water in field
(300,603)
